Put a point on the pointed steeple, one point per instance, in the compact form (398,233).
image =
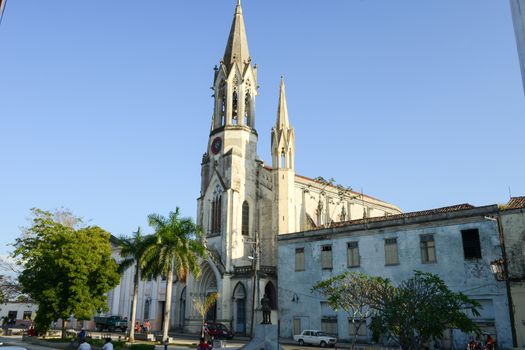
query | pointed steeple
(282,109)
(283,136)
(237,46)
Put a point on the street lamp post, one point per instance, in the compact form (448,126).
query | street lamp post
(254,258)
(500,268)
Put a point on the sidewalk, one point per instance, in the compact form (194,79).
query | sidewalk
(17,341)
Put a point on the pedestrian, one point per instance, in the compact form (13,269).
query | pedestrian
(490,343)
(82,336)
(84,345)
(146,326)
(137,327)
(203,345)
(108,345)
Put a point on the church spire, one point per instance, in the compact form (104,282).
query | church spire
(282,109)
(237,46)
(283,136)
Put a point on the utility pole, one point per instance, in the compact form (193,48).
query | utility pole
(255,267)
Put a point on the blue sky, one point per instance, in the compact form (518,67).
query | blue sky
(105,106)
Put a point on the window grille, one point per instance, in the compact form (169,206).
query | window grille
(326,257)
(245,230)
(299,259)
(329,325)
(428,249)
(353,254)
(360,324)
(391,256)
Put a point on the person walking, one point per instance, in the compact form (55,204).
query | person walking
(203,345)
(84,345)
(82,336)
(147,326)
(108,345)
(490,344)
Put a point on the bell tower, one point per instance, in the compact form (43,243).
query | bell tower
(226,207)
(283,163)
(235,81)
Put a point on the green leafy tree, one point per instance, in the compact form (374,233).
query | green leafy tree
(132,250)
(177,249)
(203,305)
(67,270)
(422,308)
(353,293)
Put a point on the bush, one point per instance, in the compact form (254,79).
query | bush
(142,347)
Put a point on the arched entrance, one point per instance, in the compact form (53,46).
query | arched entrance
(182,303)
(271,293)
(206,285)
(239,311)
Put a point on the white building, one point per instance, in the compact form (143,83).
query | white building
(244,204)
(458,243)
(18,313)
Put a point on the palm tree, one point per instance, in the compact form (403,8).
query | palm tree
(177,250)
(132,250)
(203,305)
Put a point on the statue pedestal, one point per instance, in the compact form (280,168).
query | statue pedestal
(266,338)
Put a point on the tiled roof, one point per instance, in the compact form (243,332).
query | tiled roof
(516,202)
(442,210)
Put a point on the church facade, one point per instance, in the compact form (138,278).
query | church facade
(244,205)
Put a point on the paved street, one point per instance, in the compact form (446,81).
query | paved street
(181,342)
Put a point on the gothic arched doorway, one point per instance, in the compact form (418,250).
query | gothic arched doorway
(239,311)
(206,285)
(182,303)
(271,294)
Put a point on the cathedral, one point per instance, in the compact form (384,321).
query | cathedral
(244,205)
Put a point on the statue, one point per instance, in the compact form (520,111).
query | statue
(266,310)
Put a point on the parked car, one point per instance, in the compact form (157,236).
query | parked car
(315,337)
(217,330)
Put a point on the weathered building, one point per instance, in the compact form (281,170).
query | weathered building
(244,204)
(457,243)
(512,221)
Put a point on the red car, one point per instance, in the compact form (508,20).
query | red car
(216,330)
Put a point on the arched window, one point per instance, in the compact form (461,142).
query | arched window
(182,303)
(247,107)
(216,206)
(235,108)
(283,159)
(245,219)
(222,106)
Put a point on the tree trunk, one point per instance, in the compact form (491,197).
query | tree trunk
(64,324)
(356,330)
(167,306)
(134,304)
